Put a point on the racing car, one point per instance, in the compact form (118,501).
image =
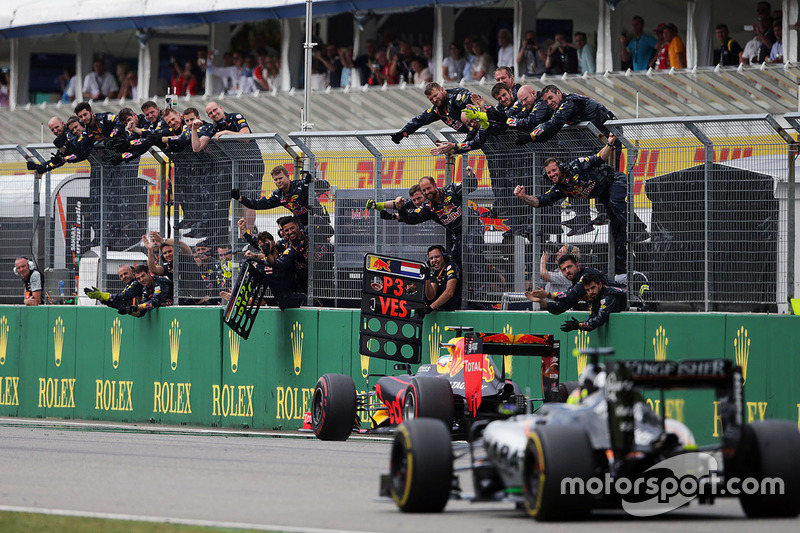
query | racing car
(462,386)
(606,431)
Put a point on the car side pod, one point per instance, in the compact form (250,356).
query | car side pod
(421,466)
(553,454)
(333,407)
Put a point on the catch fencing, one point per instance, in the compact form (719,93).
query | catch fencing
(709,228)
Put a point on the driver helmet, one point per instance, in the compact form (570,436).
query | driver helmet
(592,378)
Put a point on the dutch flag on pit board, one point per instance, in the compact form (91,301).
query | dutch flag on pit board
(409,269)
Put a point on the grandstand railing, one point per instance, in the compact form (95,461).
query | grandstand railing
(714,192)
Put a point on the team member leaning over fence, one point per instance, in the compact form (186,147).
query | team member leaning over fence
(294,195)
(122,300)
(447,105)
(72,145)
(590,177)
(149,292)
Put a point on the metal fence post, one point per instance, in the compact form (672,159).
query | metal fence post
(707,163)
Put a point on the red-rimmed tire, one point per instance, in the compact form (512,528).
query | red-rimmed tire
(333,407)
(429,397)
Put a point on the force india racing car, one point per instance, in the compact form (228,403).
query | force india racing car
(539,460)
(462,386)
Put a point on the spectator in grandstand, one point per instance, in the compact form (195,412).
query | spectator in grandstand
(729,50)
(124,299)
(366,61)
(586,54)
(382,71)
(453,65)
(561,58)
(447,106)
(402,62)
(661,59)
(764,31)
(32,280)
(469,59)
(482,64)
(421,72)
(67,83)
(3,88)
(556,281)
(328,56)
(427,53)
(749,56)
(639,49)
(348,67)
(590,177)
(99,84)
(505,49)
(776,52)
(531,57)
(676,48)
(443,282)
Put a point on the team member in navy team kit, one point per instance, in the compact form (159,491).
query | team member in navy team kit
(250,167)
(122,300)
(443,284)
(72,145)
(294,195)
(447,105)
(604,300)
(590,177)
(557,302)
(122,192)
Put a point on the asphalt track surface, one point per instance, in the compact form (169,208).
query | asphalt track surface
(272,481)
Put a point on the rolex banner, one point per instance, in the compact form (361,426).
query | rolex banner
(183,366)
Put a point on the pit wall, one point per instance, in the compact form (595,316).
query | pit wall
(184,366)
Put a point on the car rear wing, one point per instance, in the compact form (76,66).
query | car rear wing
(625,377)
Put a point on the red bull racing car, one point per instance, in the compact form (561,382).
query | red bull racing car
(462,386)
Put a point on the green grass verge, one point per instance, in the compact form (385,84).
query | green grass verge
(46,523)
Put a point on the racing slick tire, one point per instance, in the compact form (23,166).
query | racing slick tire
(333,407)
(769,449)
(421,466)
(552,454)
(429,397)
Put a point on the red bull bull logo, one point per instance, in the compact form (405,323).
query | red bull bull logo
(377,264)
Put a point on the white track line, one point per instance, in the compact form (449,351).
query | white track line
(169,520)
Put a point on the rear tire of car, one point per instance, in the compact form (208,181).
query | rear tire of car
(429,397)
(552,454)
(333,407)
(769,449)
(421,467)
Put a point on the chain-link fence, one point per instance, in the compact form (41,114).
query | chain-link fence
(709,188)
(709,226)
